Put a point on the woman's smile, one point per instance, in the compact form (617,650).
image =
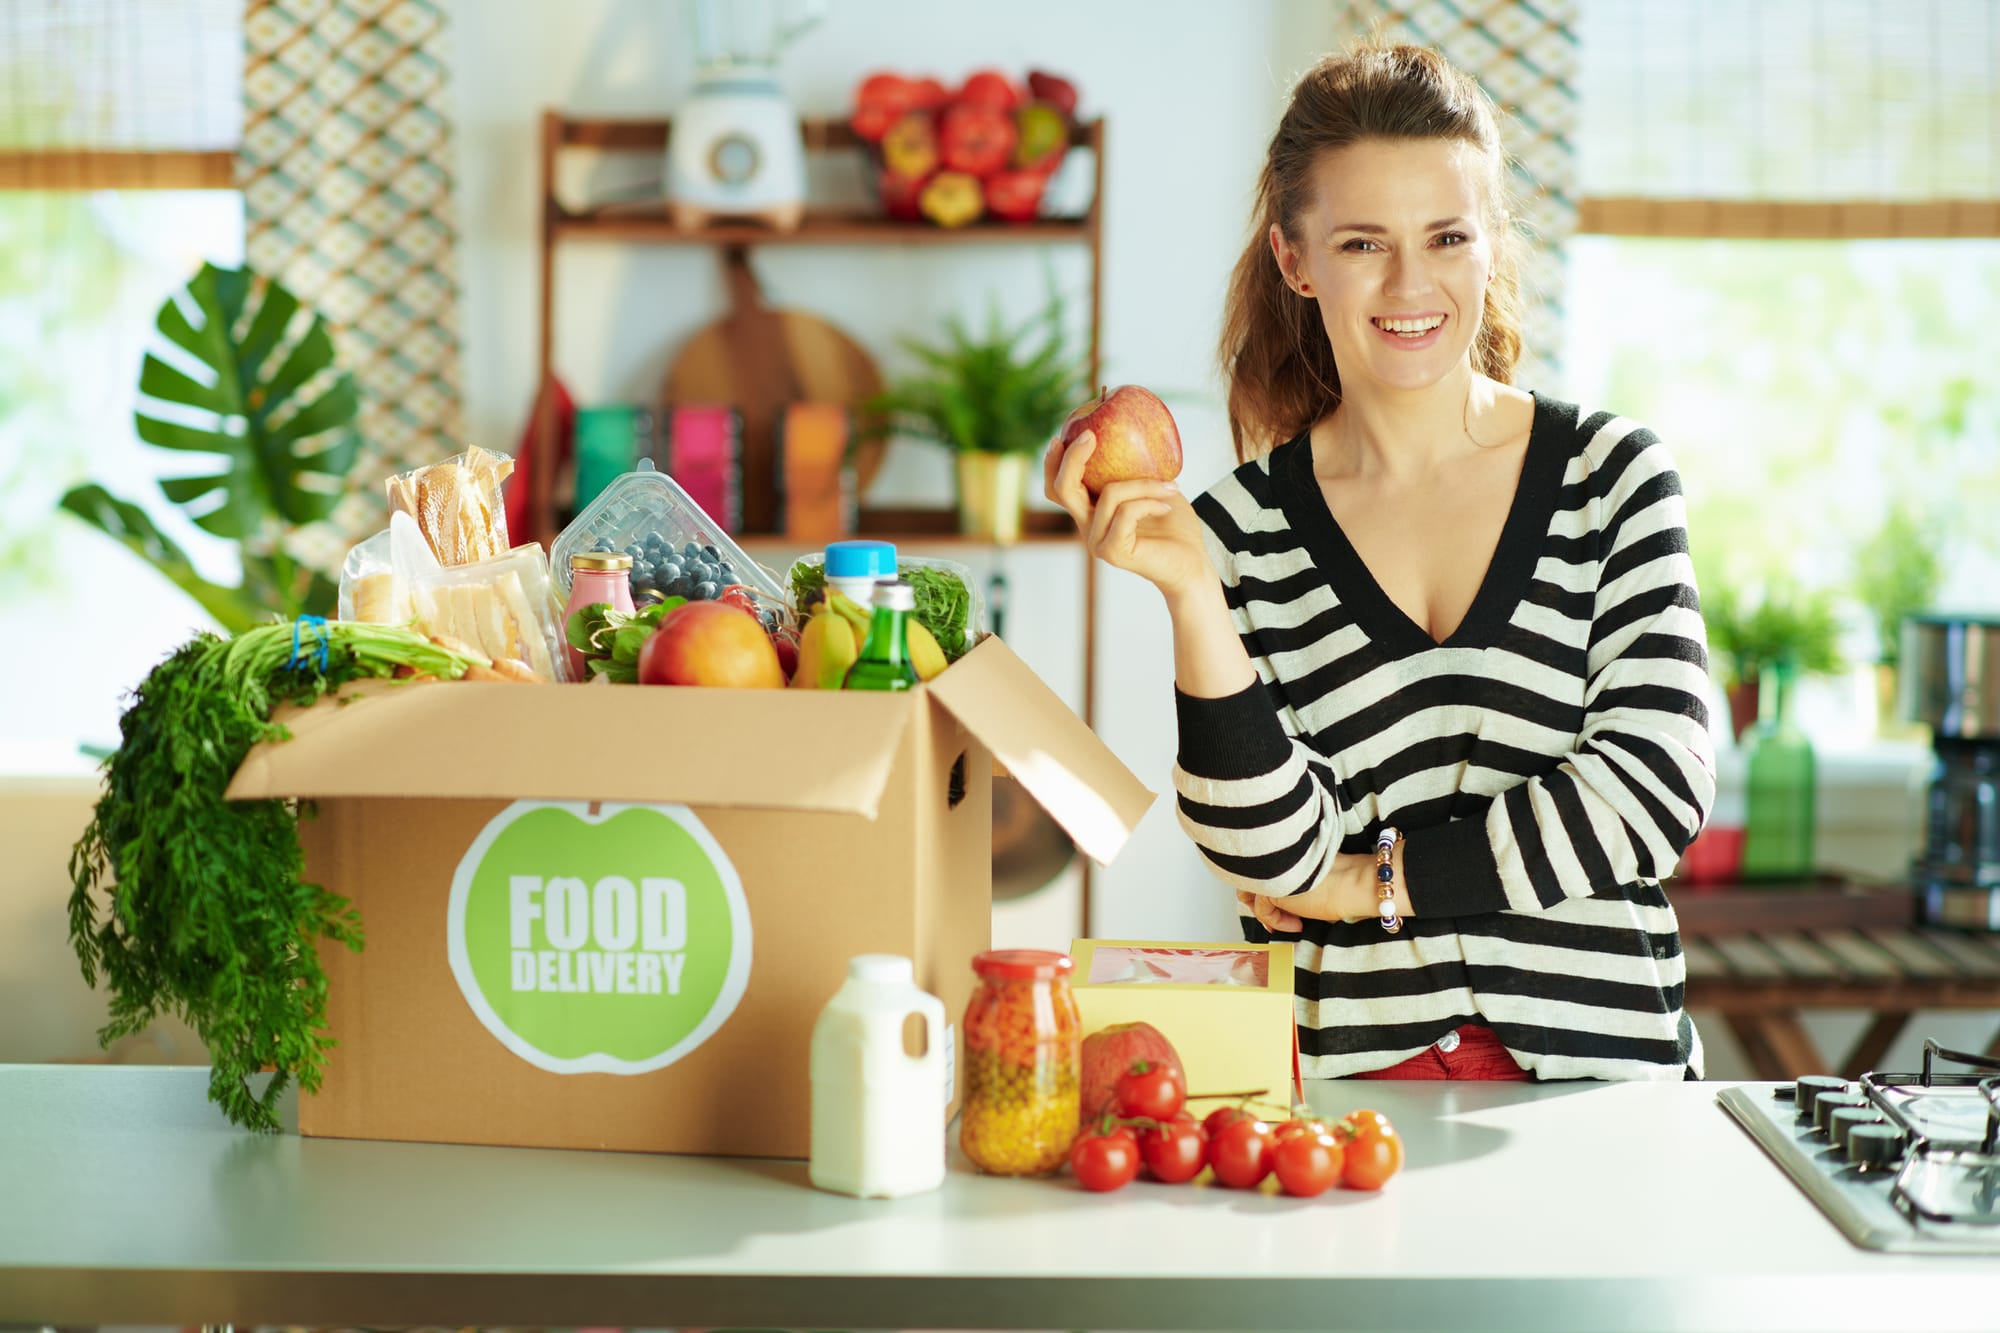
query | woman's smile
(1410,332)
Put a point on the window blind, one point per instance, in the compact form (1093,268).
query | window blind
(1790,117)
(107,94)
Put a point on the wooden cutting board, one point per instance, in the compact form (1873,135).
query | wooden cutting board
(760,361)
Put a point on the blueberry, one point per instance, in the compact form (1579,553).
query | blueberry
(712,554)
(707,590)
(669,570)
(727,575)
(636,549)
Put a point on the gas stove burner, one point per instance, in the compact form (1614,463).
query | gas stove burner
(1951,1122)
(1906,1162)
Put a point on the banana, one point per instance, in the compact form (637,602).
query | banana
(925,655)
(851,611)
(839,650)
(812,643)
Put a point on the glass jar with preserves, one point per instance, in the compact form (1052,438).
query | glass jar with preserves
(1022,1048)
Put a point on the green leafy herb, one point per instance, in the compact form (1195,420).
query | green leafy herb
(944,604)
(189,904)
(610,639)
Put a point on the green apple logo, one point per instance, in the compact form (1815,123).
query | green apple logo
(612,942)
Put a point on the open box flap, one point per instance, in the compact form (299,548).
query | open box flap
(1045,747)
(778,749)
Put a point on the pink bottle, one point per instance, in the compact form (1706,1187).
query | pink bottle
(595,576)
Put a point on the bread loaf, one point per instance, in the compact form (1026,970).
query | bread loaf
(457,505)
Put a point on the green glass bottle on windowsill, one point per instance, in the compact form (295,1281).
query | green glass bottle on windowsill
(1780,782)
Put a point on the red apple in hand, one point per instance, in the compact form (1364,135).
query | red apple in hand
(1136,437)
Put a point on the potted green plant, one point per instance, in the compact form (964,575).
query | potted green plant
(1751,630)
(268,436)
(994,397)
(1898,572)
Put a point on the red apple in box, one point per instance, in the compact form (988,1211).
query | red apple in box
(710,643)
(1136,437)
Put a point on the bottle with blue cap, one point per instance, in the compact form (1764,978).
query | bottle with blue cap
(852,567)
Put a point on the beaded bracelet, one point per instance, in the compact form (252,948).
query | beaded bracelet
(1385,880)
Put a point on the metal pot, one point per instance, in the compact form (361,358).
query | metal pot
(1951,675)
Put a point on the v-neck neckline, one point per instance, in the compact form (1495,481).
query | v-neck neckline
(1508,574)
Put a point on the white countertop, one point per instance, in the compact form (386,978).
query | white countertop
(129,1199)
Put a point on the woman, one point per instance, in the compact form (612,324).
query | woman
(1432,622)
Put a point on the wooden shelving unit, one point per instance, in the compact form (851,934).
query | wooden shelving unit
(647,224)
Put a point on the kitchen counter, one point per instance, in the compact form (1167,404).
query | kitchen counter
(128,1199)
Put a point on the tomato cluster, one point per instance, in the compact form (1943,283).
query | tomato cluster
(1153,1128)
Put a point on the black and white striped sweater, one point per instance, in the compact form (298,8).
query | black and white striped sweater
(1547,763)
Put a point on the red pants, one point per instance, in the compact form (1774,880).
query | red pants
(1477,1054)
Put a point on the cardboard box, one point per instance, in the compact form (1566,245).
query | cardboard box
(607,917)
(1227,1008)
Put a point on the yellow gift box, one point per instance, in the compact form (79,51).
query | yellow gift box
(1227,1008)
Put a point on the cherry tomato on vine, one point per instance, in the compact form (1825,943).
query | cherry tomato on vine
(1360,1120)
(1220,1116)
(1176,1151)
(1241,1153)
(1308,1164)
(1105,1160)
(1302,1125)
(1374,1151)
(1152,1090)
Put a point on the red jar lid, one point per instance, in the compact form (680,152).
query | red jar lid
(1022,964)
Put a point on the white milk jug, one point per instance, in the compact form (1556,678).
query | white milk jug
(877,1110)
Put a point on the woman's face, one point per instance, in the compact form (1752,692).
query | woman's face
(1396,251)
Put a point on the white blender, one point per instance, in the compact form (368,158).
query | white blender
(736,152)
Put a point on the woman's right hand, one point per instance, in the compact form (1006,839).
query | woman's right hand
(1146,527)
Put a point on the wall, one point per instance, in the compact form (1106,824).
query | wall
(1189,118)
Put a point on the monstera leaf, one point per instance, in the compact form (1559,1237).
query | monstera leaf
(282,460)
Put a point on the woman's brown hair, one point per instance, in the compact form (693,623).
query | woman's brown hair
(1274,347)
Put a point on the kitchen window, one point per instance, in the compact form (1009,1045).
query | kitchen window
(118,127)
(1790,250)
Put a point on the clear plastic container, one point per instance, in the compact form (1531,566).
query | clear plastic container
(503,607)
(370,590)
(677,550)
(807,571)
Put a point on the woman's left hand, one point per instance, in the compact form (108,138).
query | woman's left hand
(1346,893)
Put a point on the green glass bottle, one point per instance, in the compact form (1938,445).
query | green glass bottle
(885,663)
(1779,785)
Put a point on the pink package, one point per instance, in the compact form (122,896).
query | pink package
(704,454)
(1123,964)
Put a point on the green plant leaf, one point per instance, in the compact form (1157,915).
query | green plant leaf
(130,525)
(283,461)
(999,389)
